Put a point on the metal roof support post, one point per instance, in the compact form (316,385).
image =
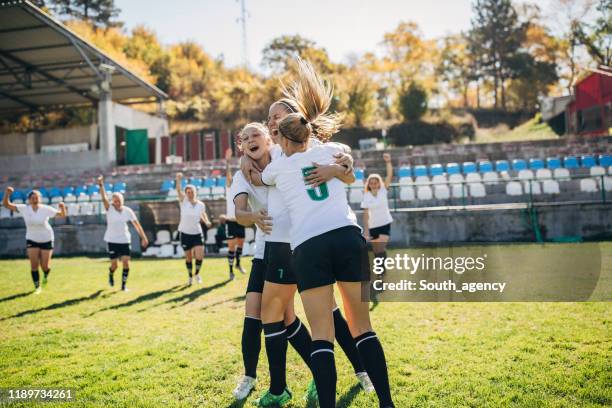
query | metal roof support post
(106,125)
(158,148)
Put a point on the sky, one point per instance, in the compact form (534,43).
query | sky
(342,27)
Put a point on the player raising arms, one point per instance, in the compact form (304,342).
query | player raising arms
(193,211)
(39,234)
(326,240)
(117,235)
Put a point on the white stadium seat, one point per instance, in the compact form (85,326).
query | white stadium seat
(514,188)
(166,251)
(358,183)
(56,199)
(248,249)
(490,177)
(70,198)
(210,236)
(439,179)
(5,212)
(249,234)
(406,193)
(18,201)
(504,175)
(424,193)
(550,187)
(83,198)
(588,185)
(179,252)
(218,191)
(459,190)
(172,193)
(561,173)
(473,178)
(597,171)
(525,174)
(203,192)
(355,195)
(405,180)
(162,237)
(86,209)
(610,170)
(542,174)
(73,209)
(608,183)
(536,188)
(420,180)
(477,189)
(151,251)
(441,191)
(455,178)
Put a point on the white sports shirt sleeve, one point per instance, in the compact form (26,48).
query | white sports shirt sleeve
(257,197)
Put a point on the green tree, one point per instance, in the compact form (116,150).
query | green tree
(279,53)
(597,37)
(413,102)
(456,65)
(143,45)
(100,13)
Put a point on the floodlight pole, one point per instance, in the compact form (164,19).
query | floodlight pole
(106,126)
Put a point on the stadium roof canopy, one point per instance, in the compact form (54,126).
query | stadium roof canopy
(44,64)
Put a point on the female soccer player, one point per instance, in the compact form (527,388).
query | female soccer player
(326,240)
(376,215)
(235,231)
(117,235)
(193,211)
(39,234)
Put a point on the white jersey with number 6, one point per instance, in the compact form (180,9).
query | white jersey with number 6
(313,211)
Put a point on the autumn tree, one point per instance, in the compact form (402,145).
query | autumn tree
(281,51)
(100,13)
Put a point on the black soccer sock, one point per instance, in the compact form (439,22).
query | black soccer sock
(189,266)
(198,266)
(230,260)
(373,358)
(346,341)
(36,278)
(324,372)
(238,254)
(300,340)
(251,345)
(124,277)
(47,272)
(276,348)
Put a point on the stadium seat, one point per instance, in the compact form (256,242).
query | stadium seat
(119,187)
(221,181)
(514,188)
(166,251)
(469,167)
(485,166)
(570,162)
(441,192)
(608,183)
(210,236)
(405,180)
(93,188)
(532,186)
(151,251)
(420,171)
(424,193)
(96,207)
(166,186)
(605,160)
(436,170)
(473,178)
(404,171)
(195,181)
(406,193)
(178,250)
(588,185)
(490,177)
(477,190)
(86,209)
(5,212)
(72,209)
(502,165)
(162,237)
(209,182)
(455,178)
(248,249)
(597,171)
(453,168)
(358,183)
(519,164)
(459,190)
(172,194)
(542,174)
(536,164)
(550,187)
(359,174)
(203,192)
(553,163)
(249,234)
(83,198)
(70,198)
(439,179)
(218,191)
(561,174)
(525,174)
(355,195)
(420,180)
(588,161)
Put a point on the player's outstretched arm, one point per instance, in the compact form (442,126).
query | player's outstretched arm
(6,200)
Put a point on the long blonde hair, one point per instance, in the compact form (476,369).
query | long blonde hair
(312,96)
(370,177)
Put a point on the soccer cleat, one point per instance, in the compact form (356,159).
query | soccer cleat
(125,289)
(271,400)
(38,290)
(244,387)
(365,382)
(190,281)
(198,279)
(240,269)
(311,393)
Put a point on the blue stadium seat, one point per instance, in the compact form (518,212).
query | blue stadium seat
(166,186)
(68,191)
(453,168)
(570,162)
(536,164)
(17,195)
(404,171)
(221,181)
(519,164)
(588,161)
(359,175)
(196,181)
(469,167)
(55,192)
(605,160)
(209,182)
(420,170)
(119,187)
(553,163)
(502,165)
(80,190)
(485,166)
(44,192)
(93,189)
(436,170)
(108,187)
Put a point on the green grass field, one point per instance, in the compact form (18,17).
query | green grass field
(165,344)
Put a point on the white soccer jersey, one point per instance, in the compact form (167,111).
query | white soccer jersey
(378,207)
(117,230)
(258,199)
(37,224)
(190,217)
(230,209)
(313,211)
(277,210)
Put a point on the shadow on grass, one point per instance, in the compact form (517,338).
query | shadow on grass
(347,398)
(142,298)
(192,296)
(54,306)
(234,299)
(15,296)
(237,404)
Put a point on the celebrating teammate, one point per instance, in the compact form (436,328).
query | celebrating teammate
(39,234)
(326,240)
(234,231)
(193,211)
(376,216)
(117,235)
